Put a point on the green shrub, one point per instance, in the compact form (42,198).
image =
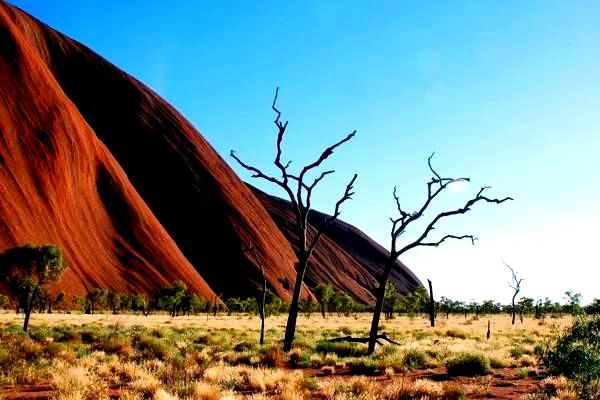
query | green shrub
(244,346)
(363,366)
(539,350)
(115,344)
(342,349)
(152,347)
(469,364)
(576,355)
(414,359)
(310,383)
(517,352)
(89,336)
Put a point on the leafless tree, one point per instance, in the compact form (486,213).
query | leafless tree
(435,187)
(263,293)
(514,284)
(431,304)
(299,192)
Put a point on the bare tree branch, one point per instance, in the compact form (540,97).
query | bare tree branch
(516,283)
(348,193)
(442,240)
(281,127)
(467,207)
(325,155)
(439,178)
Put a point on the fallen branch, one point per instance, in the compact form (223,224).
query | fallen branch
(382,336)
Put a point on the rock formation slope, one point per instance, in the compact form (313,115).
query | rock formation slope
(59,184)
(198,199)
(95,161)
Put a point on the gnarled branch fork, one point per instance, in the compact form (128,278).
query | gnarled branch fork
(300,197)
(400,224)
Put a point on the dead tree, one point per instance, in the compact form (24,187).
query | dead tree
(431,305)
(299,193)
(263,292)
(435,187)
(516,286)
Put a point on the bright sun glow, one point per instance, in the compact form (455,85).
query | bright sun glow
(458,185)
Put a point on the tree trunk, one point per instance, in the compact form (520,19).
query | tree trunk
(379,304)
(26,320)
(263,311)
(323,310)
(290,329)
(431,305)
(27,308)
(514,311)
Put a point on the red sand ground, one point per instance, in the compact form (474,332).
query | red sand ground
(503,385)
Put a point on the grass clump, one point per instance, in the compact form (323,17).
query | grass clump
(414,359)
(341,349)
(469,364)
(456,333)
(151,347)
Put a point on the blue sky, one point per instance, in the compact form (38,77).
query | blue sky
(506,93)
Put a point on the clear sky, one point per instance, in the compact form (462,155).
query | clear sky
(507,93)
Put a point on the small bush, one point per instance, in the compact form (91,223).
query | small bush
(152,347)
(576,355)
(517,352)
(414,359)
(469,364)
(456,333)
(120,345)
(273,357)
(310,383)
(342,349)
(453,391)
(363,366)
(539,350)
(244,346)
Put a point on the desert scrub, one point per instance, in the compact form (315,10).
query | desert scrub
(152,347)
(456,333)
(576,355)
(342,349)
(468,364)
(414,359)
(364,366)
(76,382)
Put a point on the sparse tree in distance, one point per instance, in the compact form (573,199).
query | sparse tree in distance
(436,185)
(515,285)
(171,297)
(390,300)
(300,192)
(140,302)
(95,299)
(324,292)
(573,304)
(28,269)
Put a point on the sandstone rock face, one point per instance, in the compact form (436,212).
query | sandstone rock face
(96,162)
